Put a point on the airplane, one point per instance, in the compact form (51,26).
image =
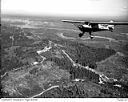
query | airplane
(86,26)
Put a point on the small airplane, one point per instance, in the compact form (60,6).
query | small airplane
(85,26)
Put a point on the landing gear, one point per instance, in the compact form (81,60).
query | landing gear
(90,34)
(110,29)
(81,34)
(91,37)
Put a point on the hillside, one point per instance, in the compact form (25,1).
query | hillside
(31,65)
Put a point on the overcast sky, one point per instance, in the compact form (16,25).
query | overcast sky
(67,7)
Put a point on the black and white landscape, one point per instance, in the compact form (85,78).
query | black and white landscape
(43,57)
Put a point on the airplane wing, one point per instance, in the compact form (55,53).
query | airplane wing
(71,21)
(94,23)
(110,23)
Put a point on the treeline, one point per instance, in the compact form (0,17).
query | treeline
(84,90)
(62,63)
(83,54)
(86,55)
(81,73)
(75,72)
(9,33)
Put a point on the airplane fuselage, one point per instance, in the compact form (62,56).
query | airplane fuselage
(94,28)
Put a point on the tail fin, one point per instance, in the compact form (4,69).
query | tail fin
(111,21)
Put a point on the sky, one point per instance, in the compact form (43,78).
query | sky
(106,8)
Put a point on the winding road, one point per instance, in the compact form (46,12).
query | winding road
(72,38)
(45,91)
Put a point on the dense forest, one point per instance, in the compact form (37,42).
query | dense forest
(19,49)
(22,50)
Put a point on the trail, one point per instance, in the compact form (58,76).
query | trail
(125,33)
(64,29)
(4,75)
(45,91)
(110,39)
(65,37)
(74,64)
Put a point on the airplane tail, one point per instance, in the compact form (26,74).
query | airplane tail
(111,21)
